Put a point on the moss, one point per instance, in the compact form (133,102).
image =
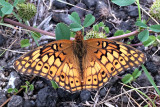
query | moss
(94,34)
(26,11)
(155,9)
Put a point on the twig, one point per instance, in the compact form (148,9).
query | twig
(131,98)
(27,27)
(13,51)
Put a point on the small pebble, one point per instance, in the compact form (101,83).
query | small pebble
(133,11)
(151,67)
(47,97)
(3,97)
(16,101)
(103,92)
(59,5)
(80,12)
(28,103)
(2,39)
(90,3)
(142,80)
(85,95)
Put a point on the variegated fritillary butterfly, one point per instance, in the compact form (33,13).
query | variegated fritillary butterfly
(80,64)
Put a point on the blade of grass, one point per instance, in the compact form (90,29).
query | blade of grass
(150,79)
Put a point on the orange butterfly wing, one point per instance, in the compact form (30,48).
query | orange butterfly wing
(57,61)
(54,61)
(106,58)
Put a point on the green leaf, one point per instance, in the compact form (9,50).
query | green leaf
(31,87)
(123,2)
(7,8)
(106,29)
(27,83)
(72,34)
(4,3)
(75,27)
(101,24)
(15,2)
(89,20)
(127,31)
(141,24)
(21,1)
(136,73)
(119,32)
(18,2)
(62,31)
(75,18)
(10,90)
(127,79)
(131,37)
(25,43)
(36,36)
(128,43)
(146,106)
(1,14)
(143,36)
(158,37)
(24,86)
(150,41)
(15,90)
(155,28)
(54,85)
(96,27)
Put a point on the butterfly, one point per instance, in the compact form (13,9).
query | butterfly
(80,64)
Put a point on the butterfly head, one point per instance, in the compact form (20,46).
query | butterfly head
(78,36)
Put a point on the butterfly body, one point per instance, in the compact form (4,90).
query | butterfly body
(80,64)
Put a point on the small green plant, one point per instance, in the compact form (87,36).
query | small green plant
(94,34)
(100,27)
(26,11)
(12,90)
(54,85)
(144,36)
(63,31)
(123,2)
(5,8)
(128,78)
(25,43)
(155,9)
(28,87)
(98,31)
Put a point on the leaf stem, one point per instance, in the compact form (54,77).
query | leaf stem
(139,10)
